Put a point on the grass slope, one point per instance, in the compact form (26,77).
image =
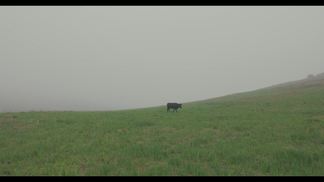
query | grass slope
(274,131)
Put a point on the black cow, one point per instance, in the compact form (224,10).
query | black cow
(174,106)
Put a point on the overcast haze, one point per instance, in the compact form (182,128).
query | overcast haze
(108,58)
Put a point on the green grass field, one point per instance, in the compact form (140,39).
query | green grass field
(274,131)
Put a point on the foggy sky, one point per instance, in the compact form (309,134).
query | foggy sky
(110,57)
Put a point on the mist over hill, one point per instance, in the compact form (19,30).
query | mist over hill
(310,80)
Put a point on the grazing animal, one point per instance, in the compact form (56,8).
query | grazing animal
(174,106)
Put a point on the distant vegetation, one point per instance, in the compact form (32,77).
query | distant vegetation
(274,131)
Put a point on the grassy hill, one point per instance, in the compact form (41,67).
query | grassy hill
(273,131)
